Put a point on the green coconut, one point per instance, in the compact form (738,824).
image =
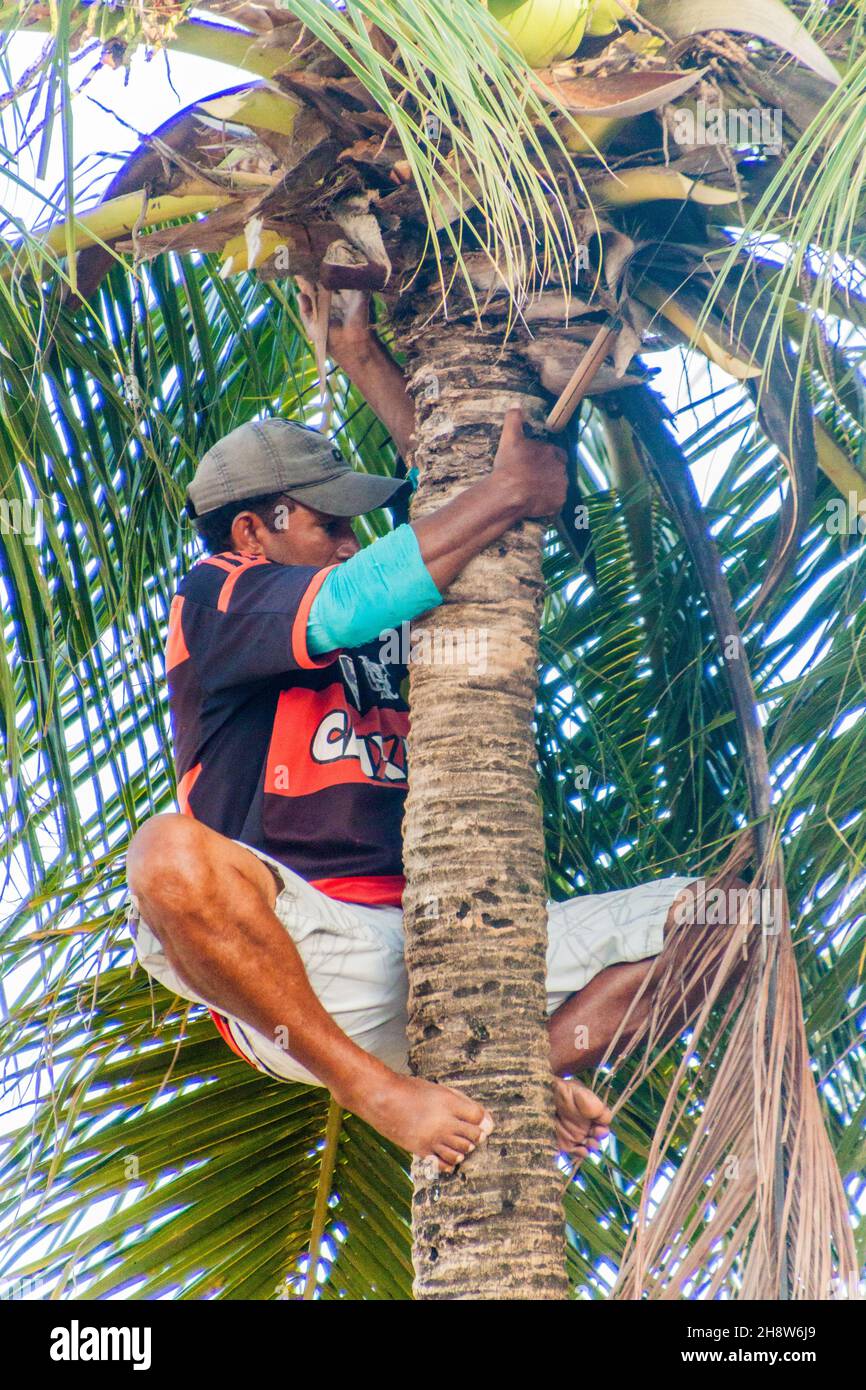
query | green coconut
(542,31)
(604,16)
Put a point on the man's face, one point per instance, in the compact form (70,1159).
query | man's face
(303,536)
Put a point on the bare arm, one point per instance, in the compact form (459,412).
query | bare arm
(528,479)
(528,476)
(382,384)
(357,350)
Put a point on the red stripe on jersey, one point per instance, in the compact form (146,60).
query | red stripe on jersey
(320,741)
(185,786)
(248,563)
(175,647)
(379,890)
(219,563)
(299,628)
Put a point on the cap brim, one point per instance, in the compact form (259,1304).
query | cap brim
(351,494)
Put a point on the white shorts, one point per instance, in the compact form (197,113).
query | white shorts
(353,956)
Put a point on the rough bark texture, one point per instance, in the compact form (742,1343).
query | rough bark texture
(474,907)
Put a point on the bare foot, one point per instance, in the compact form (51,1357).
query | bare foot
(582,1120)
(429,1120)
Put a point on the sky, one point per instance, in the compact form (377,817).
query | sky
(110,114)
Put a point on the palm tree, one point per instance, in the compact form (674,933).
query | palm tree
(578,202)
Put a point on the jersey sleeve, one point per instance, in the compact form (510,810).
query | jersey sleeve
(242,621)
(384,585)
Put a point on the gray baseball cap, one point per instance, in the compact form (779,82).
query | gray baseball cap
(276,455)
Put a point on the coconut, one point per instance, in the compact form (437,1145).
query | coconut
(596,133)
(604,16)
(542,31)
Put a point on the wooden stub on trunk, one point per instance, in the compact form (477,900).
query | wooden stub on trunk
(474,907)
(581,378)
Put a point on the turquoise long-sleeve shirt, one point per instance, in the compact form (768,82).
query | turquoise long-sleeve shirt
(384,585)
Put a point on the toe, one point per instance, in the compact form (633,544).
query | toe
(581,1104)
(568,1145)
(470,1110)
(449,1156)
(570,1136)
(466,1108)
(462,1145)
(603,1117)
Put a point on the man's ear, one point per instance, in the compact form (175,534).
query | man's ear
(243,533)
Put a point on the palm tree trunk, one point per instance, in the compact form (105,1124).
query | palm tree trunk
(475,903)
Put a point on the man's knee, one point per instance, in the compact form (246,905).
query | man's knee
(166,859)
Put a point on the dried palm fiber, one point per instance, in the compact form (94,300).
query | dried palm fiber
(714,1228)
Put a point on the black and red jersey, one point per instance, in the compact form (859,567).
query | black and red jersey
(303,757)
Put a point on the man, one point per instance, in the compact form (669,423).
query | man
(274,897)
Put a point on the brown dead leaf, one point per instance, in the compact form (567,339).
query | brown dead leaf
(623,94)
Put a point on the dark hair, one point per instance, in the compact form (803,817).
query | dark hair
(215,528)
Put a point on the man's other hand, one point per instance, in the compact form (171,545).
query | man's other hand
(533,471)
(350,334)
(352,342)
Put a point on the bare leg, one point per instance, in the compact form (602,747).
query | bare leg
(595,1013)
(210,902)
(582,1029)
